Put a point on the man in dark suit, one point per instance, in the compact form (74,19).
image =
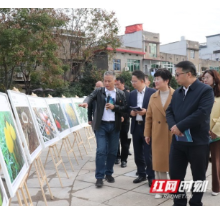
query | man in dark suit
(125,142)
(142,151)
(190,108)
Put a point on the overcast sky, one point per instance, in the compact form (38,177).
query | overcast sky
(172,23)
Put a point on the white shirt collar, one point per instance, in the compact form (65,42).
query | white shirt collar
(106,90)
(143,91)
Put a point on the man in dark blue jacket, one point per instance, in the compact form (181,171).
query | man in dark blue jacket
(189,109)
(142,151)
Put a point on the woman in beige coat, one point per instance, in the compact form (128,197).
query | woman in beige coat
(156,127)
(212,78)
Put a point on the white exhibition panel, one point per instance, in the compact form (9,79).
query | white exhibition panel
(3,196)
(26,125)
(12,157)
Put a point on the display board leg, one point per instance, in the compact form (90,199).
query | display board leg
(21,188)
(81,141)
(69,146)
(89,135)
(42,178)
(57,160)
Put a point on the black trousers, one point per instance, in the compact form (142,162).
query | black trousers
(142,153)
(125,144)
(180,156)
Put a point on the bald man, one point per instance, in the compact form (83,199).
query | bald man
(99,84)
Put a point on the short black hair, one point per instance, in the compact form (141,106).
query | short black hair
(120,79)
(139,74)
(164,74)
(146,76)
(187,66)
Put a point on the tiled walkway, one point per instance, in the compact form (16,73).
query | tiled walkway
(80,190)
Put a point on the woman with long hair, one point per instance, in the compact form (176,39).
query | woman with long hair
(212,78)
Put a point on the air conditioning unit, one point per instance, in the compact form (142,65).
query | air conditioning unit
(126,68)
(19,75)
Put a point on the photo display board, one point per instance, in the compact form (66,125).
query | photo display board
(3,196)
(45,123)
(82,113)
(70,113)
(26,124)
(59,116)
(12,158)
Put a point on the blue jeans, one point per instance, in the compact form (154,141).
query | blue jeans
(107,147)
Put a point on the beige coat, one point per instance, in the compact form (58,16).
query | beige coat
(215,117)
(157,129)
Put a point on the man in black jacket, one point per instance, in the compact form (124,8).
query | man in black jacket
(111,103)
(125,142)
(189,109)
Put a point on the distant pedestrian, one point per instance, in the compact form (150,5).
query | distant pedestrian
(124,141)
(156,129)
(212,78)
(189,113)
(111,103)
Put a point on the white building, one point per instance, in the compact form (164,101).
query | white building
(211,49)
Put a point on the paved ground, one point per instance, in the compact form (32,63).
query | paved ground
(79,189)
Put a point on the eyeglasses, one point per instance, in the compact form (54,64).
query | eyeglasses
(157,79)
(133,82)
(177,74)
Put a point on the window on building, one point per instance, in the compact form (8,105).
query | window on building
(133,64)
(168,65)
(152,50)
(192,54)
(145,48)
(116,64)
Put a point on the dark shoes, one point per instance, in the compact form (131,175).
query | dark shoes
(109,179)
(117,161)
(123,164)
(139,179)
(99,183)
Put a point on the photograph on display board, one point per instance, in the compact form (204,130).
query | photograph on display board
(58,117)
(45,124)
(70,114)
(28,128)
(81,112)
(26,124)
(3,196)
(12,158)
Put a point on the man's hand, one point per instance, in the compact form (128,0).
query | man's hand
(122,119)
(213,136)
(90,122)
(142,112)
(84,105)
(109,106)
(147,139)
(133,113)
(176,131)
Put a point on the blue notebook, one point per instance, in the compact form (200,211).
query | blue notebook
(186,138)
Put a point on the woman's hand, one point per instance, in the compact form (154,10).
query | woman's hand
(147,139)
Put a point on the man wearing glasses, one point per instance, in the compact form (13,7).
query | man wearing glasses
(189,111)
(142,151)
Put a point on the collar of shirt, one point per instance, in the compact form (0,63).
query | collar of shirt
(106,90)
(143,91)
(186,89)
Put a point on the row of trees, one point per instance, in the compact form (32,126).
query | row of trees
(50,47)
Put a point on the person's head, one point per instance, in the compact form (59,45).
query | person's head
(120,83)
(147,81)
(138,80)
(212,78)
(200,78)
(109,80)
(185,73)
(162,78)
(99,84)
